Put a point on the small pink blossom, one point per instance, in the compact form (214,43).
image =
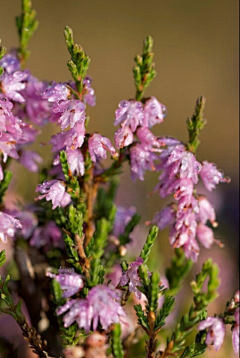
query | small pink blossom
(8,226)
(12,85)
(123,137)
(235,332)
(216,331)
(70,282)
(75,161)
(130,114)
(54,190)
(98,146)
(210,175)
(56,92)
(30,160)
(132,278)
(154,112)
(47,236)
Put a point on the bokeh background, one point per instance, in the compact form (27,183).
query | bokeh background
(196,53)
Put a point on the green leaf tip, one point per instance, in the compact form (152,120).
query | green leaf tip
(80,61)
(149,243)
(116,344)
(195,124)
(144,70)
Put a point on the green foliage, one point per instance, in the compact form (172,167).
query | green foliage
(149,243)
(100,240)
(197,348)
(105,206)
(26,25)
(2,53)
(164,312)
(68,335)
(73,187)
(176,274)
(144,71)
(196,124)
(3,257)
(80,61)
(116,344)
(75,223)
(142,319)
(197,311)
(72,253)
(4,184)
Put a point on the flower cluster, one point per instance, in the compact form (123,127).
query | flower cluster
(101,306)
(190,212)
(136,118)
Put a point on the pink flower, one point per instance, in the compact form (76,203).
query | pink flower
(122,218)
(8,226)
(235,332)
(70,282)
(154,112)
(30,160)
(54,190)
(205,235)
(89,96)
(47,236)
(98,146)
(130,114)
(72,111)
(56,92)
(12,85)
(206,211)
(10,63)
(216,331)
(132,278)
(210,175)
(101,306)
(142,159)
(123,137)
(75,161)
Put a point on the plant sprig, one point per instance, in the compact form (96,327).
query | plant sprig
(26,25)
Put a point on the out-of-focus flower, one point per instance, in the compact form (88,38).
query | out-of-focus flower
(89,96)
(47,236)
(54,190)
(70,282)
(12,85)
(154,112)
(74,352)
(30,160)
(216,331)
(130,114)
(8,226)
(235,332)
(96,345)
(28,221)
(132,278)
(10,63)
(122,218)
(37,108)
(142,159)
(101,306)
(5,112)
(98,146)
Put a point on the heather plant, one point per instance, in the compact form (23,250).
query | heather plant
(84,297)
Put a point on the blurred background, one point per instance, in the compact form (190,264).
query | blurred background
(196,53)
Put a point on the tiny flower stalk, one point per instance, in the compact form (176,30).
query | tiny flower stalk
(26,25)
